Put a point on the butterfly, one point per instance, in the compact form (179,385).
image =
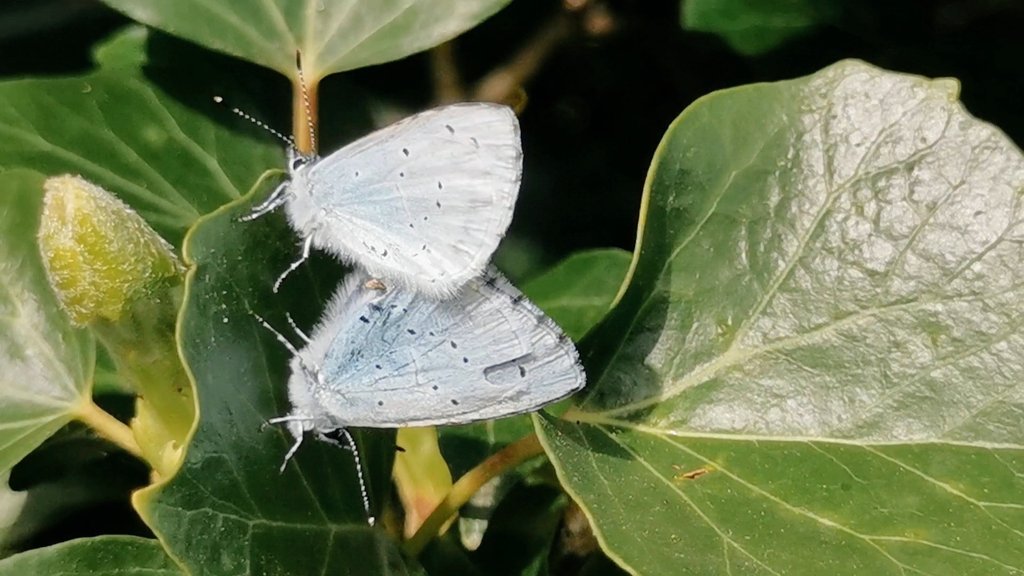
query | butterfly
(422,203)
(389,357)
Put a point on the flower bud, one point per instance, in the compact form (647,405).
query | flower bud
(99,254)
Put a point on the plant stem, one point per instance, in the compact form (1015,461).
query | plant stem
(448,86)
(505,459)
(108,427)
(501,84)
(305,114)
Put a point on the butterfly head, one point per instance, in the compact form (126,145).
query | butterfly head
(297,161)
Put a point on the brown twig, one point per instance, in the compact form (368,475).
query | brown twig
(447,81)
(503,83)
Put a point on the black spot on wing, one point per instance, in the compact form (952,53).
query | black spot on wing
(449,128)
(406,152)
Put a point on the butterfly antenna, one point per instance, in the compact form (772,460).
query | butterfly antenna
(305,102)
(311,374)
(359,474)
(286,139)
(280,337)
(296,328)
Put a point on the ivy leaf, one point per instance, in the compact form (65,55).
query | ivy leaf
(45,364)
(754,27)
(123,555)
(817,366)
(578,291)
(332,36)
(167,160)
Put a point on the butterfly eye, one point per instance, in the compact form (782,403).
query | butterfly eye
(297,162)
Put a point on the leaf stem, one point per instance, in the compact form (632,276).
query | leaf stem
(108,427)
(502,83)
(305,113)
(505,459)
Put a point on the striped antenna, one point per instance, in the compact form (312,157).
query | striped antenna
(305,103)
(359,474)
(286,139)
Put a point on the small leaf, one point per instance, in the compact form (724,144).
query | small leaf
(578,291)
(121,555)
(45,363)
(753,27)
(818,365)
(332,36)
(422,479)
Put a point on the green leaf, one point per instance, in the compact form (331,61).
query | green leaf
(12,502)
(824,318)
(578,291)
(332,36)
(102,555)
(165,159)
(755,27)
(229,510)
(45,364)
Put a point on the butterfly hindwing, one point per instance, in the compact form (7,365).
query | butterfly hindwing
(396,358)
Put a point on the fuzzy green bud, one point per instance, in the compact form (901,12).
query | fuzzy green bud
(99,254)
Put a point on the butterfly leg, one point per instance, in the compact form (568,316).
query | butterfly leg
(291,452)
(307,245)
(277,198)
